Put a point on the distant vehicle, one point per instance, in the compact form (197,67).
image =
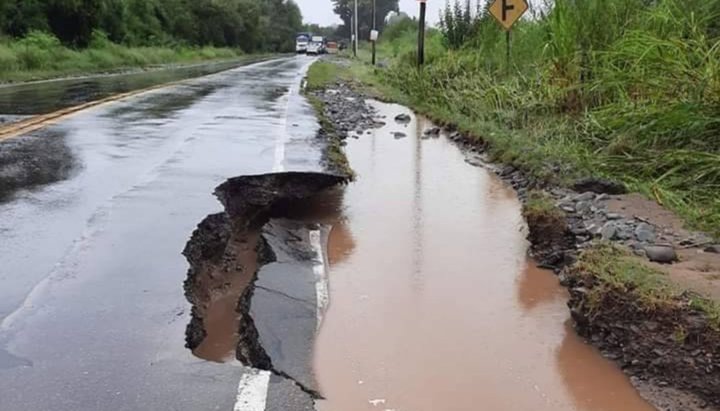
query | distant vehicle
(332,48)
(301,44)
(314,48)
(321,41)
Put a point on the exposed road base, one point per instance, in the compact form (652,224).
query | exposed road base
(264,255)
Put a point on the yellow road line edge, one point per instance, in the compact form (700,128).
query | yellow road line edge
(41,121)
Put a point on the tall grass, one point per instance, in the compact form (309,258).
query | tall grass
(40,55)
(627,89)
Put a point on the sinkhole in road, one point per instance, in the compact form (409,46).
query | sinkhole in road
(257,273)
(433,303)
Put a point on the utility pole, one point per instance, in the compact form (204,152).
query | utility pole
(374,39)
(421,34)
(355,25)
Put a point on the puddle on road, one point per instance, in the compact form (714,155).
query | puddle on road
(434,305)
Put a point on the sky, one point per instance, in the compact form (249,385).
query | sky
(320,11)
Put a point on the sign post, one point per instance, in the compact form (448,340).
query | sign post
(507,13)
(421,33)
(373,33)
(355,30)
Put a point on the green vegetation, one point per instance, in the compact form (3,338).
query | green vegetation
(40,39)
(625,89)
(616,269)
(539,203)
(41,56)
(547,224)
(345,8)
(611,269)
(320,76)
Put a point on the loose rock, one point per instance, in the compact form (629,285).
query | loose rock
(661,254)
(609,231)
(432,132)
(645,233)
(587,196)
(403,118)
(599,186)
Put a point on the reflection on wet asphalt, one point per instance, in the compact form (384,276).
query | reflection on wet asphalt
(35,160)
(433,305)
(92,313)
(47,96)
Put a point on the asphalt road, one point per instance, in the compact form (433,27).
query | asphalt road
(94,212)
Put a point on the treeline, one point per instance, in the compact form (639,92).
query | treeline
(345,9)
(251,25)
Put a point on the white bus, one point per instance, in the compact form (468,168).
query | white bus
(301,43)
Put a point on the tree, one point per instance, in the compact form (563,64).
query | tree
(328,32)
(253,25)
(22,16)
(113,20)
(345,8)
(458,24)
(73,21)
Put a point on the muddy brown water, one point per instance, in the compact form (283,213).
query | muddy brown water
(220,313)
(434,305)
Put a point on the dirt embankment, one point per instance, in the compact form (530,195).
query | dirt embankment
(225,253)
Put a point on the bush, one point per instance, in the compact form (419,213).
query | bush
(41,55)
(628,89)
(8,59)
(39,40)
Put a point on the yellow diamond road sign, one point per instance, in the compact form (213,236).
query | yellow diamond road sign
(507,12)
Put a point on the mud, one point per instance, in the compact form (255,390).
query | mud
(671,375)
(635,223)
(672,346)
(229,255)
(433,303)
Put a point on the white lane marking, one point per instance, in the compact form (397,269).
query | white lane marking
(322,291)
(284,132)
(281,139)
(253,391)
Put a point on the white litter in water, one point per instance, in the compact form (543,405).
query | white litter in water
(377,402)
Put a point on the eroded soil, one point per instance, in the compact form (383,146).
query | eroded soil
(235,257)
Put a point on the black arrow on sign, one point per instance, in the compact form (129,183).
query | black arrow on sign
(505,8)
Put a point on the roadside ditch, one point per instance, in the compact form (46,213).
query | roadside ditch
(641,285)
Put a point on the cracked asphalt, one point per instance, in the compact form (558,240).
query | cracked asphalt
(94,212)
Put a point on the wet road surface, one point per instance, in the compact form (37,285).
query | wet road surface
(433,304)
(92,312)
(42,97)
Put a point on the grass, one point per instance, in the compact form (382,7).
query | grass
(622,89)
(540,205)
(40,56)
(320,76)
(612,269)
